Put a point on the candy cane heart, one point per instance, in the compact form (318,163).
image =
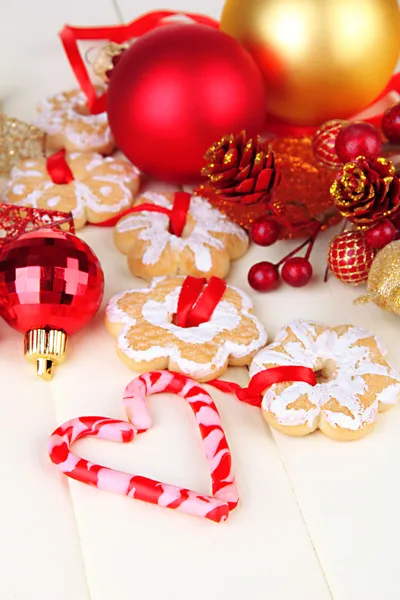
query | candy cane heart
(215,507)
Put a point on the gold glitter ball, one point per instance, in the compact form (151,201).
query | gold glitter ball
(18,141)
(383,285)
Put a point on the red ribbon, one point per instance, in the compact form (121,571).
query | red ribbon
(263,380)
(58,168)
(195,305)
(177,215)
(118,34)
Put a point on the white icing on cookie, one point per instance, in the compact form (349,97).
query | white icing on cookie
(347,386)
(91,192)
(19,189)
(58,115)
(155,230)
(226,318)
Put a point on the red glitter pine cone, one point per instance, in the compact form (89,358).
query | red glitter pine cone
(241,169)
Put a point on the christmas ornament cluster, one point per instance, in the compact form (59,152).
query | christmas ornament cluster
(291,183)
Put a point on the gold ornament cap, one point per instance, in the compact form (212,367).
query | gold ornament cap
(47,348)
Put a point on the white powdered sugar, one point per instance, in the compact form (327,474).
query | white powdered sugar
(352,361)
(154,229)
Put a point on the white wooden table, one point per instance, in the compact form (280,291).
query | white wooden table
(317,519)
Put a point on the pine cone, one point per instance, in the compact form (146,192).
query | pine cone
(242,170)
(367,190)
(107,60)
(18,141)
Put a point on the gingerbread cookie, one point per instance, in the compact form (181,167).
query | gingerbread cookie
(354,381)
(208,243)
(68,123)
(144,320)
(100,189)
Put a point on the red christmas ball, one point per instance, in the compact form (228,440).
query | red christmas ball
(297,271)
(381,235)
(391,124)
(358,139)
(264,277)
(176,91)
(350,257)
(49,280)
(265,231)
(324,143)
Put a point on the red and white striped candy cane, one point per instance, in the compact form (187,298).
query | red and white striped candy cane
(224,492)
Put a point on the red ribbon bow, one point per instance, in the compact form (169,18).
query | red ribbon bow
(177,215)
(58,168)
(196,305)
(118,34)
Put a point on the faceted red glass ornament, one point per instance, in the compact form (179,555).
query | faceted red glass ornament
(49,279)
(51,285)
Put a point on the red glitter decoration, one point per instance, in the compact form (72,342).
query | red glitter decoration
(350,257)
(49,280)
(303,194)
(17,220)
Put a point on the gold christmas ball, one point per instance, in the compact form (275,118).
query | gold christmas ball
(321,59)
(383,285)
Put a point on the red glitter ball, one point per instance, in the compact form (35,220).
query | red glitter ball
(358,139)
(350,258)
(381,235)
(391,124)
(49,279)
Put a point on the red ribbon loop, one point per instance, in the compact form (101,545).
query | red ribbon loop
(177,215)
(263,380)
(118,34)
(195,305)
(179,212)
(58,168)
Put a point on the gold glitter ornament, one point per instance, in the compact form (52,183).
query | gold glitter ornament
(383,285)
(18,141)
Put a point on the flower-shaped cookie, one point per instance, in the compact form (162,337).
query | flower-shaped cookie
(68,123)
(208,243)
(101,188)
(354,381)
(148,338)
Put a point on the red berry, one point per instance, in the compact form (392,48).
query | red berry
(264,277)
(265,231)
(358,139)
(391,124)
(297,271)
(382,234)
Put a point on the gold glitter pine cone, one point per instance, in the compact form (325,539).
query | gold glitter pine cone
(367,190)
(18,141)
(383,287)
